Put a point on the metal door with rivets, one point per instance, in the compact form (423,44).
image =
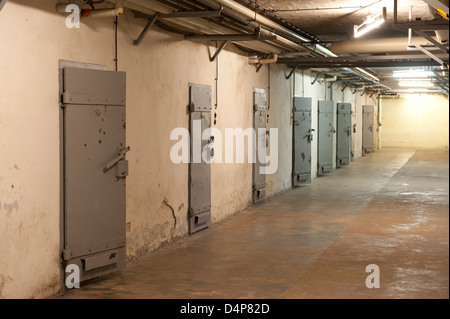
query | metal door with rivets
(344,134)
(200,158)
(367,140)
(326,134)
(260,126)
(94,170)
(303,137)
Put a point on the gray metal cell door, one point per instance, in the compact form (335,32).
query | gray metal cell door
(344,134)
(259,122)
(303,137)
(95,169)
(367,140)
(200,158)
(326,132)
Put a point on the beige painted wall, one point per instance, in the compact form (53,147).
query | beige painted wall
(416,121)
(158,75)
(280,117)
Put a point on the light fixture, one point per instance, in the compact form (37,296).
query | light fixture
(370,23)
(368,74)
(412,74)
(413,95)
(416,84)
(418,91)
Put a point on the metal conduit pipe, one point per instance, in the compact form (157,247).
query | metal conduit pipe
(272,25)
(269,61)
(193,24)
(227,11)
(151,7)
(179,5)
(379,110)
(367,74)
(268,23)
(366,78)
(146,6)
(232,14)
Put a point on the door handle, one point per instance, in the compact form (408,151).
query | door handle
(117,159)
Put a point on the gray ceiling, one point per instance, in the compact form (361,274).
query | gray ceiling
(334,20)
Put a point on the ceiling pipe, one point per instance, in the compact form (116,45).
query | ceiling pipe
(102,13)
(274,59)
(332,79)
(368,74)
(284,31)
(383,45)
(272,25)
(249,22)
(151,6)
(196,25)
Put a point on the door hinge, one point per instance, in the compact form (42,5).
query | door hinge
(66,254)
(66,98)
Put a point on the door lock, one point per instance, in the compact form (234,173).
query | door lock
(117,159)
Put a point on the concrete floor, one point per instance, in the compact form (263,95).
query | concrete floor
(390,208)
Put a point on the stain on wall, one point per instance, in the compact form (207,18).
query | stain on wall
(3,280)
(14,207)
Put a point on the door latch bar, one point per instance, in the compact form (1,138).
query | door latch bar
(116,160)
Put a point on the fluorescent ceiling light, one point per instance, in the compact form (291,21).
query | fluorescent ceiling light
(370,23)
(365,30)
(412,74)
(368,74)
(420,91)
(415,84)
(412,95)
